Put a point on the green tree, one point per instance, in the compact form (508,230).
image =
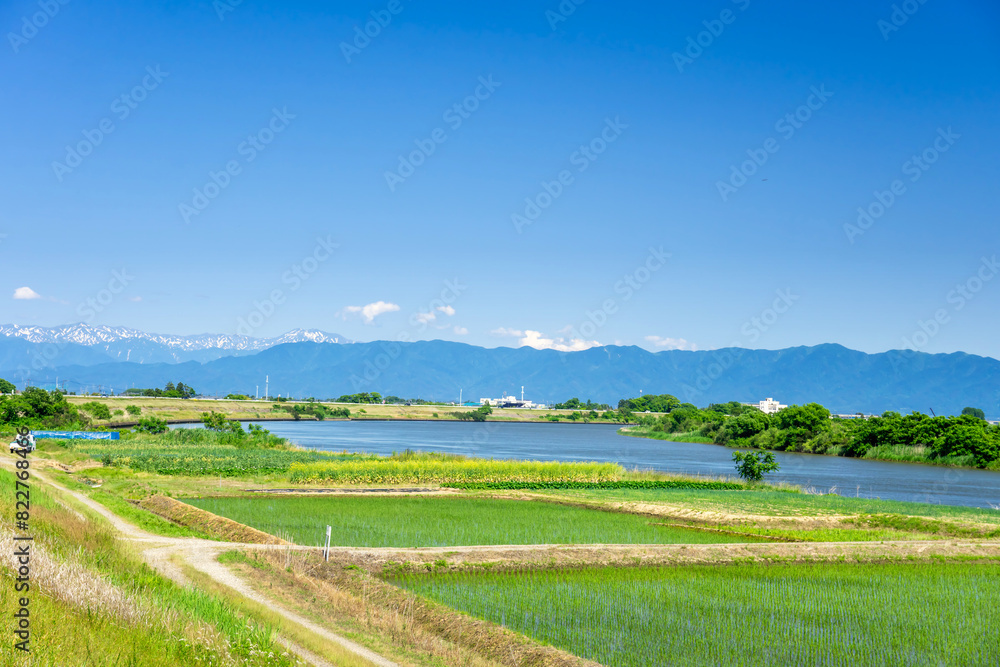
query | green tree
(151,425)
(747,425)
(752,466)
(7,387)
(650,402)
(216,421)
(974,412)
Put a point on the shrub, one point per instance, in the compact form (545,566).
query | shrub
(97,410)
(151,425)
(133,410)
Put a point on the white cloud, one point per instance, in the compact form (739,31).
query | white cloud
(137,299)
(26,293)
(671,343)
(461,331)
(424,318)
(447,310)
(504,331)
(371,311)
(538,341)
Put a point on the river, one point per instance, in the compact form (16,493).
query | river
(601,442)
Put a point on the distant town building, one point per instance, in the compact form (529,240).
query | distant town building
(769,406)
(511,402)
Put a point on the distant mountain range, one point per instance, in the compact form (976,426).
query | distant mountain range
(123,344)
(846,381)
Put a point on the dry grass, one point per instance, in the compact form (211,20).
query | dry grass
(73,584)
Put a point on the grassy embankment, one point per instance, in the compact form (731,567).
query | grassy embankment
(93,602)
(176,410)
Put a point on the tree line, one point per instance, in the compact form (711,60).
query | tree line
(963,440)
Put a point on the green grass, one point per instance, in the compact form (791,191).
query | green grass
(423,521)
(641,432)
(780,503)
(66,636)
(918,454)
(851,615)
(142,518)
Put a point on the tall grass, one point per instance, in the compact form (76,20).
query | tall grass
(850,615)
(917,454)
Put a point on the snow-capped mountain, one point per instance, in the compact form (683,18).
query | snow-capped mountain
(125,344)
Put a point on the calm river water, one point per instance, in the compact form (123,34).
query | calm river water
(600,442)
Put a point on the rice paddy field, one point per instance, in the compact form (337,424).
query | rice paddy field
(432,521)
(781,503)
(849,615)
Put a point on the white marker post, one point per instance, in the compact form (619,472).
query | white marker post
(326,549)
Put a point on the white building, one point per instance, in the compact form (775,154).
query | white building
(769,406)
(511,402)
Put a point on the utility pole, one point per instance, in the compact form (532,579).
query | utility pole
(267,382)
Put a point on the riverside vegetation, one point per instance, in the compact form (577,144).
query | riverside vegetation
(966,440)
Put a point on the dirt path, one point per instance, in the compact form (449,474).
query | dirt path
(158,552)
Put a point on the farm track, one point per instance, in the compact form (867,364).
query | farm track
(159,553)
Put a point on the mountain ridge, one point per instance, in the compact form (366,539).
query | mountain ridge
(844,380)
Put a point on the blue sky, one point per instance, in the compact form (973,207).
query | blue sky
(640,244)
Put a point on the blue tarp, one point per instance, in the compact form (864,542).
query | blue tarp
(77,435)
